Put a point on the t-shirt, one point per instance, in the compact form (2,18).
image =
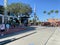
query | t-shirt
(2,27)
(7,26)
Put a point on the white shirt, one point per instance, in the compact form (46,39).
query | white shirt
(2,26)
(7,26)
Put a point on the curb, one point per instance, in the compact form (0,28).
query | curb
(14,38)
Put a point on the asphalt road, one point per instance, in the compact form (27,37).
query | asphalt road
(41,37)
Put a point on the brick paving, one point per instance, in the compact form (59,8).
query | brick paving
(11,30)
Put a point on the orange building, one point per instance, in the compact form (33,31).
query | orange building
(54,22)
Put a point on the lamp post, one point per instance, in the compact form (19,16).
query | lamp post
(5,11)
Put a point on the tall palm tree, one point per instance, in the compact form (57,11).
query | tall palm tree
(44,12)
(56,11)
(49,13)
(52,11)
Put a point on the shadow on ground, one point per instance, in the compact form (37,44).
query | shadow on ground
(20,32)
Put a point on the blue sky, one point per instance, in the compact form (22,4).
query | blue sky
(41,5)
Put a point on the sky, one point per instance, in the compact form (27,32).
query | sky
(41,5)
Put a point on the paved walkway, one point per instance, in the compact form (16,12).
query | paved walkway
(17,35)
(55,39)
(12,30)
(41,37)
(38,36)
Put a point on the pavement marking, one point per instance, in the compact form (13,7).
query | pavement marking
(50,37)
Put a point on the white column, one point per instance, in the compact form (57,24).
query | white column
(2,19)
(5,9)
(5,6)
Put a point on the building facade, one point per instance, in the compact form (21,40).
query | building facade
(54,22)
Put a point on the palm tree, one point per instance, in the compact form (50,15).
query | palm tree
(49,13)
(56,11)
(52,11)
(44,12)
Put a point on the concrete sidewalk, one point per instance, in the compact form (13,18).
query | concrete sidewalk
(40,38)
(17,35)
(55,39)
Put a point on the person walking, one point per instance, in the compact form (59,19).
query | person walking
(2,28)
(7,26)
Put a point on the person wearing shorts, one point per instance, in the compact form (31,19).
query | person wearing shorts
(2,29)
(7,26)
